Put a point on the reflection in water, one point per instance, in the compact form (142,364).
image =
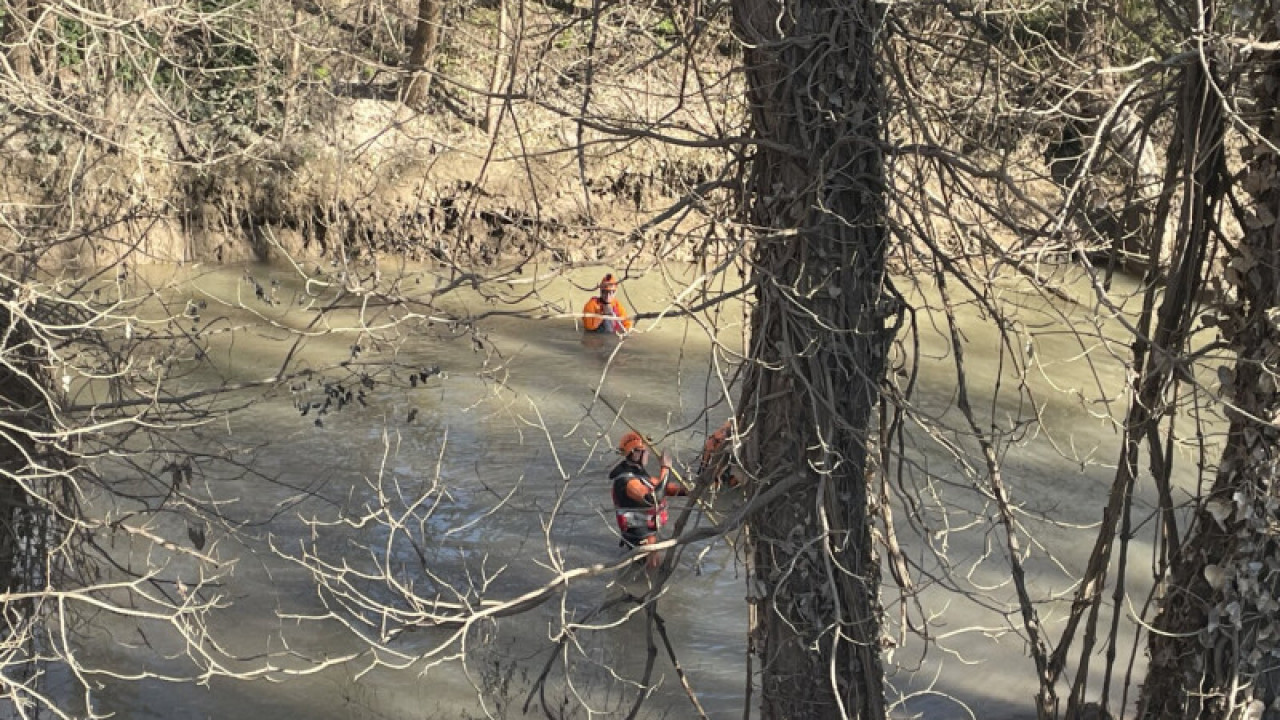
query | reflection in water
(489,479)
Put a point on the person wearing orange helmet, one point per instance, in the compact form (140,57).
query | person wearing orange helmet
(604,313)
(716,465)
(639,500)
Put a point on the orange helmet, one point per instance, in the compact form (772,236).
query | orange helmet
(608,283)
(630,442)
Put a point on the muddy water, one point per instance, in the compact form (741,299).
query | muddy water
(493,468)
(488,479)
(1050,398)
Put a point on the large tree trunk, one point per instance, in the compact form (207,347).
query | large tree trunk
(818,347)
(1216,639)
(426,35)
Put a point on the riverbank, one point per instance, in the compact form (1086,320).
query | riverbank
(253,134)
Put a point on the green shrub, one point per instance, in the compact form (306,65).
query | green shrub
(72,39)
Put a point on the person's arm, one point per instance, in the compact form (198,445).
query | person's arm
(622,314)
(669,487)
(638,491)
(591,315)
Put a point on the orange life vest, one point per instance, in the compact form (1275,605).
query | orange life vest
(594,318)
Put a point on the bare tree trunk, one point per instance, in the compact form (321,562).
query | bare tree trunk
(818,346)
(16,27)
(426,35)
(1100,130)
(293,69)
(498,78)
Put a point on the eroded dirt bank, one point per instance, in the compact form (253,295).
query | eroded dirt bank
(368,179)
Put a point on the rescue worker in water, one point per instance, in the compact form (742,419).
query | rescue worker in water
(640,501)
(603,313)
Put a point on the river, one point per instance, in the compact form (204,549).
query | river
(466,466)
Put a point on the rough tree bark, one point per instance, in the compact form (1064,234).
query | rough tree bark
(818,346)
(426,35)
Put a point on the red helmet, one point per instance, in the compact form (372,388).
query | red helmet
(630,442)
(608,283)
